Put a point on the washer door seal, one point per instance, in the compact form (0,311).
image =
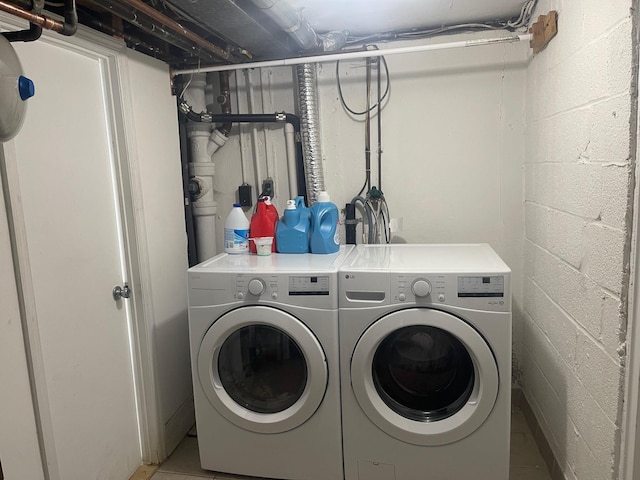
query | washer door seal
(291,330)
(441,427)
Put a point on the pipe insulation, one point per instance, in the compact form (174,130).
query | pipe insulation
(306,78)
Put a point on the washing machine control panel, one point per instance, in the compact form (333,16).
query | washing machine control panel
(296,289)
(487,292)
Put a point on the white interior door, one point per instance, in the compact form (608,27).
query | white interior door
(65,161)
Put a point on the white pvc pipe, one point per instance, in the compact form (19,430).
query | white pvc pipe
(290,142)
(361,54)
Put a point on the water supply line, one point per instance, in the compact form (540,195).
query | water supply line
(147,18)
(39,22)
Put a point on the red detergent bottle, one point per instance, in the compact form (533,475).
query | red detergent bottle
(263,223)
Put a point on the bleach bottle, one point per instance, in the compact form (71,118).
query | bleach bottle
(324,236)
(292,231)
(236,231)
(263,223)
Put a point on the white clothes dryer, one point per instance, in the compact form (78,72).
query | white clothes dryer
(264,356)
(425,352)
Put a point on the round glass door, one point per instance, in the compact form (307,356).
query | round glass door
(262,369)
(423,373)
(424,376)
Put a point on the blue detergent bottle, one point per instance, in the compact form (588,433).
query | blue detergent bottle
(324,236)
(292,231)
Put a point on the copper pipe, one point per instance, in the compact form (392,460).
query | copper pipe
(176,27)
(39,20)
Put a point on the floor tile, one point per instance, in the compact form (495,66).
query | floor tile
(519,422)
(185,459)
(177,476)
(524,451)
(144,472)
(528,473)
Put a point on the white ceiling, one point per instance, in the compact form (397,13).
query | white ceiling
(374,16)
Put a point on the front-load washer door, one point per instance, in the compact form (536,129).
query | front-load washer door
(424,376)
(262,369)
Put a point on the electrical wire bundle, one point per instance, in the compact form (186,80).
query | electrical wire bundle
(522,21)
(373,206)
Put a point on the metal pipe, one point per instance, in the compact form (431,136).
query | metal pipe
(39,20)
(147,24)
(176,27)
(361,54)
(225,105)
(68,27)
(152,21)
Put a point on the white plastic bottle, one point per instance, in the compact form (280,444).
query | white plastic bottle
(236,231)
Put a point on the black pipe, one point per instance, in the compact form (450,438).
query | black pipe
(350,223)
(70,18)
(206,117)
(225,104)
(30,35)
(34,32)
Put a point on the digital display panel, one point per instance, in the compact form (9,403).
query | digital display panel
(309,285)
(489,286)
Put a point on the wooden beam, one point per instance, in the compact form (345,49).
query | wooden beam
(543,31)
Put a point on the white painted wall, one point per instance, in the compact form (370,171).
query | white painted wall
(576,201)
(452,141)
(452,137)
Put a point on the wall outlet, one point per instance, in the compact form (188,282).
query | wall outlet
(244,195)
(267,187)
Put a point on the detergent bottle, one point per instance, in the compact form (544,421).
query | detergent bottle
(324,236)
(304,210)
(292,231)
(263,223)
(236,231)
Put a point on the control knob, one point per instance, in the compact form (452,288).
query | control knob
(256,287)
(421,288)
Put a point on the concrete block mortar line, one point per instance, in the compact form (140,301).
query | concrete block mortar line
(584,106)
(575,322)
(571,368)
(604,289)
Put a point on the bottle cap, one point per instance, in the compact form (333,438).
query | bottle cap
(237,205)
(291,205)
(267,200)
(324,197)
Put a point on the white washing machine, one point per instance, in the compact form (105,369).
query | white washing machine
(425,352)
(264,353)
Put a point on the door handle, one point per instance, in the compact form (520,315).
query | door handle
(121,292)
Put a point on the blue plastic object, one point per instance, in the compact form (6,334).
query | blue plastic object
(324,236)
(26,88)
(292,231)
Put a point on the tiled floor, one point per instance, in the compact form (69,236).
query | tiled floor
(526,461)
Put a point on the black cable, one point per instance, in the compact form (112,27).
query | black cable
(379,128)
(342,100)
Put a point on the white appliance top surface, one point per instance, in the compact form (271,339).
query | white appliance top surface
(428,258)
(276,262)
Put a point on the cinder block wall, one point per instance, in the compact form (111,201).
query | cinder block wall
(578,197)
